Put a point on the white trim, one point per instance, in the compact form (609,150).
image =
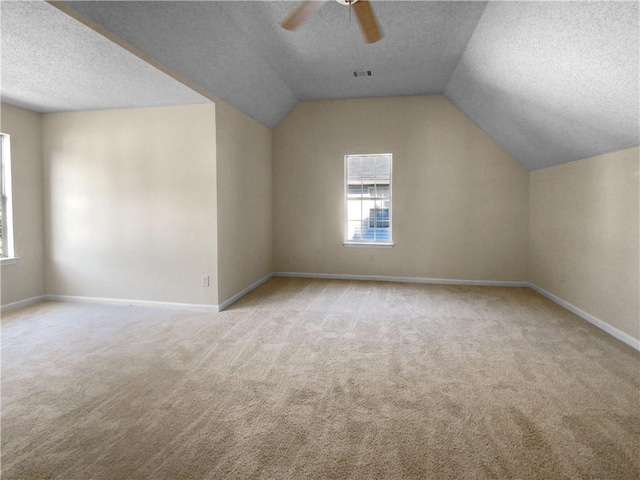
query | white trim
(244,291)
(611,330)
(194,307)
(22,303)
(9,260)
(368,244)
(384,278)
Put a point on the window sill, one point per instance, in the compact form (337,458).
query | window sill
(368,244)
(9,260)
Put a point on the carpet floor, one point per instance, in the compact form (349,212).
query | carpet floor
(320,379)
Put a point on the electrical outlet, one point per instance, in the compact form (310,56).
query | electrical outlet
(288,260)
(372,257)
(205,281)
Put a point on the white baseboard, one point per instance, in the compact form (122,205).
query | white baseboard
(22,303)
(193,307)
(384,278)
(611,330)
(244,291)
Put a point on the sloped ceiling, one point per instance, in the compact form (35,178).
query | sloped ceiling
(238,51)
(551,82)
(52,63)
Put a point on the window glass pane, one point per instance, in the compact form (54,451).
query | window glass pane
(383,169)
(355,191)
(368,170)
(354,230)
(381,216)
(354,210)
(382,190)
(354,170)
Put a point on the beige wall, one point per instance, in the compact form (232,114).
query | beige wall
(584,240)
(131,203)
(25,279)
(460,202)
(141,203)
(244,201)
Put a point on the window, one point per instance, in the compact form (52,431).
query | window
(368,199)
(6,224)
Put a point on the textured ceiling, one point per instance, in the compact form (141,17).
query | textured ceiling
(237,51)
(553,82)
(550,81)
(421,46)
(52,63)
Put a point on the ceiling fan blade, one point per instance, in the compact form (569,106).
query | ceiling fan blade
(300,14)
(368,22)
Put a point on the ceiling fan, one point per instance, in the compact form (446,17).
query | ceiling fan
(363,10)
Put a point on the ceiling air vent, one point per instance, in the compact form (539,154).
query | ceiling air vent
(363,73)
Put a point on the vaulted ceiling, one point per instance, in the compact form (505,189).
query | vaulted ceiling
(549,81)
(52,63)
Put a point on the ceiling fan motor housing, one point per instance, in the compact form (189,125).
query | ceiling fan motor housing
(346,2)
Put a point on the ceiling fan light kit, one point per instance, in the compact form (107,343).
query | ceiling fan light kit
(362,8)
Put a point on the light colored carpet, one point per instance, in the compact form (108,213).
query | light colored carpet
(320,379)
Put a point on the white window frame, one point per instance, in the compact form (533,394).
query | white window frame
(8,252)
(367,243)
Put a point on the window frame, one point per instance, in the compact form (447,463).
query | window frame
(345,192)
(6,197)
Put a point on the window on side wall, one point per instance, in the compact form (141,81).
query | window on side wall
(368,210)
(6,217)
